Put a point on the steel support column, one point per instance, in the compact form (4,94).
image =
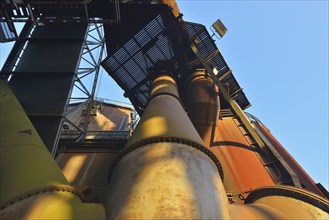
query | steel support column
(88,72)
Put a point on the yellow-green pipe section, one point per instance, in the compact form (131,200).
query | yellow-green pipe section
(31,184)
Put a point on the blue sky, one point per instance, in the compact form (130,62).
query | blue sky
(278,51)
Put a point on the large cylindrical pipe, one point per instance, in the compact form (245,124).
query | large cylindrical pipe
(165,171)
(202,103)
(31,184)
(223,137)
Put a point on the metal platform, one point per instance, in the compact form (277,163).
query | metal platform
(60,11)
(41,12)
(99,141)
(165,41)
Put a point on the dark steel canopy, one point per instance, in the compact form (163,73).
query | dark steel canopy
(164,42)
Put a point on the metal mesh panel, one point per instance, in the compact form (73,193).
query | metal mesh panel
(165,40)
(129,65)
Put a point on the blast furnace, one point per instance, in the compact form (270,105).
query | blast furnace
(193,154)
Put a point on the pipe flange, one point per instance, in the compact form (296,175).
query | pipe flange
(142,143)
(291,192)
(42,190)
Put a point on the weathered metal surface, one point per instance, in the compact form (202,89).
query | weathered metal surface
(175,140)
(165,116)
(165,179)
(223,138)
(104,117)
(201,99)
(260,141)
(242,166)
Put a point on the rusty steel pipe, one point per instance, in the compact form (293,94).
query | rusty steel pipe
(202,103)
(165,171)
(244,172)
(223,137)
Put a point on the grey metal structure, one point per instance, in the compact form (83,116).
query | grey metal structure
(58,50)
(89,69)
(44,75)
(44,11)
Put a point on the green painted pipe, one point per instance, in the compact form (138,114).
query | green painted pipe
(31,183)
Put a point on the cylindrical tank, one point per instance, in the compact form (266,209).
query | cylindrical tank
(202,103)
(165,172)
(245,176)
(239,160)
